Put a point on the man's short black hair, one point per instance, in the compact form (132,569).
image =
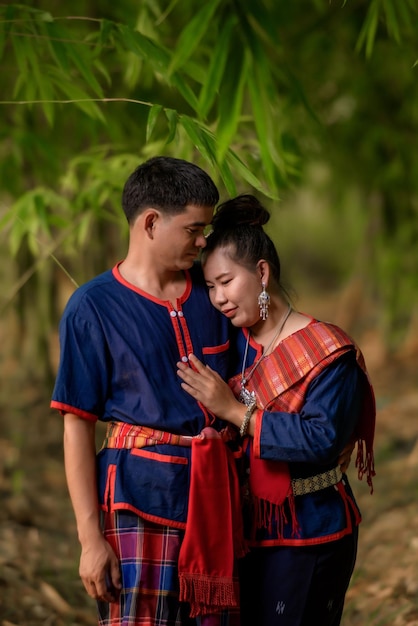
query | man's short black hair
(167,184)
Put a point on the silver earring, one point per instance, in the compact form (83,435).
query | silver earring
(264,302)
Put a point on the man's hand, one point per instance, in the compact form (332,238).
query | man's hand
(98,561)
(99,570)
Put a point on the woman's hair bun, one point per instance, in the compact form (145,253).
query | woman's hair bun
(244,210)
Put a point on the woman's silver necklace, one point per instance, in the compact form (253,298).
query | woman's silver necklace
(245,396)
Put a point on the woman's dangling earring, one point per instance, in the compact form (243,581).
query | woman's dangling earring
(264,302)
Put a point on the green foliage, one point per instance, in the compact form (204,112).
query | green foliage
(255,92)
(397,17)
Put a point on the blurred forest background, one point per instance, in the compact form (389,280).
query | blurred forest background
(312,107)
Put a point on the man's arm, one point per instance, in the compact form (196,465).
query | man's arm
(98,562)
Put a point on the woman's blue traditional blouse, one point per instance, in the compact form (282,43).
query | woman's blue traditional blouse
(310,442)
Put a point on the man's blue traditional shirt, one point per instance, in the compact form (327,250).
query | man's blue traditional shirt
(119,349)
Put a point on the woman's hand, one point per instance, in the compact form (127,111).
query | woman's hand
(207,387)
(345,456)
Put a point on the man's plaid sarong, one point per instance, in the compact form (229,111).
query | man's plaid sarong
(148,555)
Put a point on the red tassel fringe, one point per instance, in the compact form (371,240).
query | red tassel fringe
(264,512)
(365,463)
(208,595)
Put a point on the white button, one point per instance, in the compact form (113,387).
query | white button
(173,313)
(184,359)
(180,313)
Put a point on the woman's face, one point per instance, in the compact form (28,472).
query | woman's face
(233,288)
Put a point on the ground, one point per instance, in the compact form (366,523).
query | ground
(39,584)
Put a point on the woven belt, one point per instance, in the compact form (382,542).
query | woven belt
(302,486)
(121,435)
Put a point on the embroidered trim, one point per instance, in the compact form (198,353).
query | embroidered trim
(302,486)
(122,435)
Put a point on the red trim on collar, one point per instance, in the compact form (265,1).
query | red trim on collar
(118,276)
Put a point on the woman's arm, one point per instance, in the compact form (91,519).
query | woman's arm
(317,434)
(324,425)
(98,562)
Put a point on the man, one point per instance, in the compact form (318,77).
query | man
(121,336)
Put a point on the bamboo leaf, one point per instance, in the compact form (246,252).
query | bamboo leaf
(245,173)
(192,34)
(262,15)
(33,244)
(37,14)
(16,237)
(21,53)
(227,178)
(102,69)
(194,132)
(230,102)
(216,68)
(41,197)
(158,57)
(367,34)
(46,93)
(22,85)
(406,11)
(41,15)
(223,167)
(107,29)
(143,47)
(185,91)
(172,118)
(162,17)
(392,23)
(6,219)
(133,70)
(57,48)
(153,114)
(371,35)
(205,142)
(84,64)
(83,228)
(260,107)
(210,144)
(81,98)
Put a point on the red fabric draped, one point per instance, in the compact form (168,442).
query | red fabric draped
(214,533)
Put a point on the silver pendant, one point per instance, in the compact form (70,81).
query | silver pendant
(246,397)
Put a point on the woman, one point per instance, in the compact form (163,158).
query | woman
(306,395)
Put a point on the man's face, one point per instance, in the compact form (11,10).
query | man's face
(178,239)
